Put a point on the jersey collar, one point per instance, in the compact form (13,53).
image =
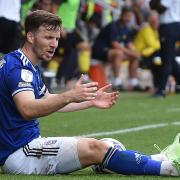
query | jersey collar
(25,60)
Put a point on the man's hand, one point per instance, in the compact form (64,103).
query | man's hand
(84,92)
(105,99)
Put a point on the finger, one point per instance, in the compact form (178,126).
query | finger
(91,94)
(91,89)
(91,84)
(80,80)
(114,97)
(106,87)
(115,94)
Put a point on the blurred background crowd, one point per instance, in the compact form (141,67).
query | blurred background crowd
(114,41)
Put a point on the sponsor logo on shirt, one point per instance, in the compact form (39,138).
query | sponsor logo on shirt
(24,84)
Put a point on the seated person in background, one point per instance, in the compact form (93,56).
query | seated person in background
(114,44)
(148,44)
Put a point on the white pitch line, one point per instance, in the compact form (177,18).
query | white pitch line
(135,129)
(173,109)
(175,123)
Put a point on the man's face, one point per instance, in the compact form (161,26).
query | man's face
(154,22)
(45,42)
(126,17)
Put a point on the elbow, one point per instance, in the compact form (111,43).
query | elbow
(137,55)
(27,115)
(27,118)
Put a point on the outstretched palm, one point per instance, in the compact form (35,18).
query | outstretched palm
(105,99)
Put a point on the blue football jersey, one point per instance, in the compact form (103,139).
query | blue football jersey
(17,74)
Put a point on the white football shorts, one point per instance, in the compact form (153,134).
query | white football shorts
(52,155)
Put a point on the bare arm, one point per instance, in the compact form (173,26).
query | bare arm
(129,50)
(102,100)
(29,107)
(76,106)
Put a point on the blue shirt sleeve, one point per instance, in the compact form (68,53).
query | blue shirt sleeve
(113,34)
(19,79)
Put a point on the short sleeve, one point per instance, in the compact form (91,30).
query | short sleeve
(113,33)
(19,79)
(129,36)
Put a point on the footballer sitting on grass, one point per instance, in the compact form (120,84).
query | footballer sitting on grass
(24,98)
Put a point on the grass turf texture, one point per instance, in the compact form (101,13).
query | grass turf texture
(132,110)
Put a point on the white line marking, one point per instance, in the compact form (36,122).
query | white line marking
(173,109)
(175,123)
(135,129)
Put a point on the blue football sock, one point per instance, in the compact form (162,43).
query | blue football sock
(130,162)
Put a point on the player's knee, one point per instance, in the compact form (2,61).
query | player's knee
(97,150)
(115,54)
(92,151)
(97,145)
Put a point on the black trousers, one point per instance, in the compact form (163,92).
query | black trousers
(10,35)
(69,65)
(149,63)
(169,34)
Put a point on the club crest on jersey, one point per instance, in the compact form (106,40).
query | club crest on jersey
(26,75)
(2,62)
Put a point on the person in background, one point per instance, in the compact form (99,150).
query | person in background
(10,27)
(115,44)
(169,34)
(147,43)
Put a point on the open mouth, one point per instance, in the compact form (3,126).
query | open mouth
(50,53)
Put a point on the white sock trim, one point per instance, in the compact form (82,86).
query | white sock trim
(167,169)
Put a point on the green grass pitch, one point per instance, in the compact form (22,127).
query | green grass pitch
(131,111)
